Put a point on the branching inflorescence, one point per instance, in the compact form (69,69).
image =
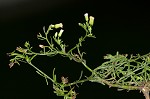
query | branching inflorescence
(121,71)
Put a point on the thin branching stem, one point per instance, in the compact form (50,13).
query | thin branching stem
(40,71)
(130,73)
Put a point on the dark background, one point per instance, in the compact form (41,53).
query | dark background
(119,26)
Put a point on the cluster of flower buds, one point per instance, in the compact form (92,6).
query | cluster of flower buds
(88,19)
(56,26)
(59,34)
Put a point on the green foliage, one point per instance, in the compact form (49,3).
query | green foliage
(121,71)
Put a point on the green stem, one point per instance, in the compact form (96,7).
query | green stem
(43,54)
(77,82)
(47,40)
(117,85)
(87,67)
(77,44)
(41,72)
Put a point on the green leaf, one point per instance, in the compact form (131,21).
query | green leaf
(27,44)
(54,76)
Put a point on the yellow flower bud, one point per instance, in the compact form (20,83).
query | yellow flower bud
(91,21)
(56,34)
(60,25)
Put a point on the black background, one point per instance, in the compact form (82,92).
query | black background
(119,26)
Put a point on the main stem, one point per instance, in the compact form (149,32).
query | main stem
(146,93)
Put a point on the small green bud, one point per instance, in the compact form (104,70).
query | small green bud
(86,16)
(91,21)
(56,34)
(27,44)
(60,33)
(60,25)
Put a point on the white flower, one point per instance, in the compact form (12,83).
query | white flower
(86,16)
(41,46)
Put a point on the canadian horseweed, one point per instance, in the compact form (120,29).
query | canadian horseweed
(130,72)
